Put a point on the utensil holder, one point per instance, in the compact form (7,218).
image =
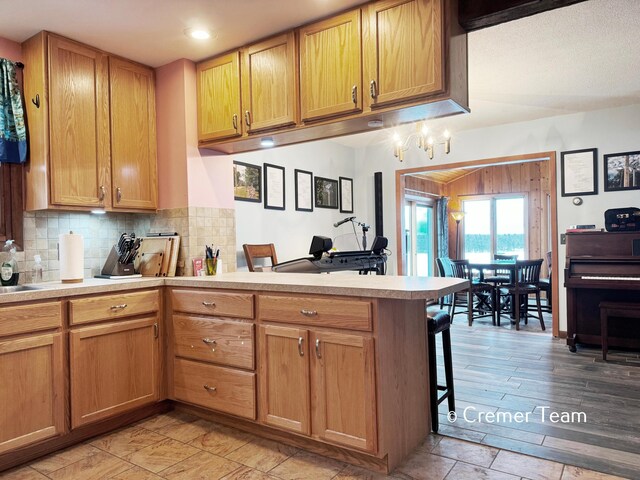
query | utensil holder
(115,268)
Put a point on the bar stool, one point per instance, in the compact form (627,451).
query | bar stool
(440,323)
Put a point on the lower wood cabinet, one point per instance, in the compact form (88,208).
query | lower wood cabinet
(320,384)
(32,390)
(114,368)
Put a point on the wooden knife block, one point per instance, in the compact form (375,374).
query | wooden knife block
(115,268)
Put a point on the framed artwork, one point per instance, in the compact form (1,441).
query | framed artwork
(304,190)
(346,194)
(579,172)
(622,171)
(325,192)
(273,187)
(247,182)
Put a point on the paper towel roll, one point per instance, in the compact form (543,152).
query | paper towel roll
(71,248)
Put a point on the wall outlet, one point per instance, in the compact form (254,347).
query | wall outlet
(563,239)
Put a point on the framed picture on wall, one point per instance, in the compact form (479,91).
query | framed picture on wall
(622,171)
(325,192)
(273,187)
(579,172)
(346,194)
(247,182)
(304,190)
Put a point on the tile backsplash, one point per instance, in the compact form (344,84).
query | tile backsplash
(197,227)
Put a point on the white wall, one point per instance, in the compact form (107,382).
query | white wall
(291,230)
(611,131)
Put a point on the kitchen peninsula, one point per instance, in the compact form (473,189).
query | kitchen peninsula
(335,364)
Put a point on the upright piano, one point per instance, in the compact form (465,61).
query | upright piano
(601,266)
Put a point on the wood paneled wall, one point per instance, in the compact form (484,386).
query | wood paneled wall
(531,178)
(416,186)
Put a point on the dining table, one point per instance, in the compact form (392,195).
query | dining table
(494,265)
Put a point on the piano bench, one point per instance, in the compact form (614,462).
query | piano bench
(614,309)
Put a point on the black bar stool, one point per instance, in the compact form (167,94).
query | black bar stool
(440,323)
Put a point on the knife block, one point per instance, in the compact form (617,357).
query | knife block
(114,268)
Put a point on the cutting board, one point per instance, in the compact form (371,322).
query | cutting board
(158,256)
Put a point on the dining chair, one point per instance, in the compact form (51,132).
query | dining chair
(254,252)
(444,270)
(546,286)
(526,282)
(480,291)
(500,277)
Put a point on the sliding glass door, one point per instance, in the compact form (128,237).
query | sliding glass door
(419,238)
(494,225)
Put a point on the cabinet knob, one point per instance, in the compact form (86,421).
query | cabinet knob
(309,313)
(118,194)
(102,194)
(300,350)
(372,89)
(235,121)
(354,94)
(247,118)
(209,389)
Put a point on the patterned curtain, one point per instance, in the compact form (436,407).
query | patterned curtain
(442,227)
(13,135)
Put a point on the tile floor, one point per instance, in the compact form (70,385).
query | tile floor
(177,446)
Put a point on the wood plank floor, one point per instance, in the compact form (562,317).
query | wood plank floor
(498,370)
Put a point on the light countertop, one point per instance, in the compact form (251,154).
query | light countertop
(375,286)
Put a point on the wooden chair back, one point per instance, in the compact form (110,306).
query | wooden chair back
(253,252)
(499,256)
(460,269)
(444,266)
(528,271)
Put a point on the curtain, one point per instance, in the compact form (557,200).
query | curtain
(13,135)
(442,227)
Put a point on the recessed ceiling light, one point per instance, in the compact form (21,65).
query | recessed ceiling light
(197,33)
(267,142)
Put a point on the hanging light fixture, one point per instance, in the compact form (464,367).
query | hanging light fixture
(424,141)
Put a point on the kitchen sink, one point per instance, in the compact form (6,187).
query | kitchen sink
(18,288)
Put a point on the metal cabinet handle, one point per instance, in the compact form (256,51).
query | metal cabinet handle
(354,94)
(300,351)
(235,121)
(102,194)
(119,307)
(247,118)
(209,389)
(372,89)
(209,341)
(309,313)
(118,194)
(318,348)
(156,330)
(209,304)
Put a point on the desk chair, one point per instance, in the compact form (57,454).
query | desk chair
(253,252)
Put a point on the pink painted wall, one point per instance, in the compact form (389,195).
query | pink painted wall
(10,49)
(210,174)
(171,135)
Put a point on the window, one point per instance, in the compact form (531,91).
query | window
(494,225)
(419,237)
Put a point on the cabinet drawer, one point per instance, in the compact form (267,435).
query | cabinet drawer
(223,389)
(110,307)
(211,302)
(217,341)
(329,312)
(30,318)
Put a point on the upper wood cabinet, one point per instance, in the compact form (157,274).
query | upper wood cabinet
(79,159)
(331,67)
(218,88)
(133,135)
(269,83)
(403,50)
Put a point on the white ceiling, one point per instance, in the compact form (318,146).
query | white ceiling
(578,58)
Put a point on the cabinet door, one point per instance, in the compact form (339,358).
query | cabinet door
(403,50)
(331,67)
(284,378)
(79,124)
(114,368)
(133,135)
(269,83)
(343,394)
(32,393)
(218,86)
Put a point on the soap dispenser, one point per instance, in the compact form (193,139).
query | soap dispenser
(9,269)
